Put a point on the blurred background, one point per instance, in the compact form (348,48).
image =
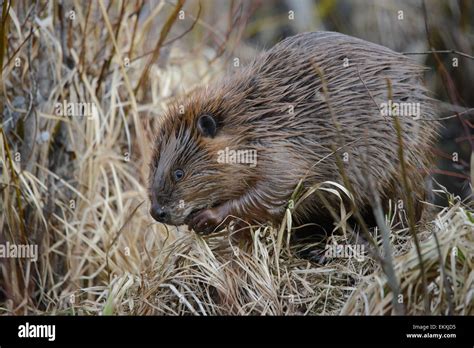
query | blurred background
(75,183)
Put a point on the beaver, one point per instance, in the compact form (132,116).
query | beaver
(289,109)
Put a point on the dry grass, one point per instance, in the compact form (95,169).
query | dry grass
(75,186)
(213,276)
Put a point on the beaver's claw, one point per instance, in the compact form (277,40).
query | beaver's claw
(206,221)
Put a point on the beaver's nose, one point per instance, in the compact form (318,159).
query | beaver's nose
(158,213)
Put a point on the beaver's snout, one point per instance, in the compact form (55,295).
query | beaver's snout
(159,213)
(165,213)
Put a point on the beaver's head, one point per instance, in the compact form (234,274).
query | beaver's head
(188,173)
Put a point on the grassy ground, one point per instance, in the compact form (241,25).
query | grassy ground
(75,186)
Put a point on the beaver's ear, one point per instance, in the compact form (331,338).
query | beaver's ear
(207,126)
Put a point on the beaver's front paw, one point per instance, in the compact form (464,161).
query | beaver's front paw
(206,221)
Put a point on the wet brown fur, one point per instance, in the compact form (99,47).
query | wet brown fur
(251,109)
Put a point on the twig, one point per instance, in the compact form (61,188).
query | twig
(163,35)
(462,54)
(410,208)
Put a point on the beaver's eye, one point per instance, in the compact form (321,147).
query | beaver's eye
(178,174)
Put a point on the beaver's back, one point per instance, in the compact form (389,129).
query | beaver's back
(310,85)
